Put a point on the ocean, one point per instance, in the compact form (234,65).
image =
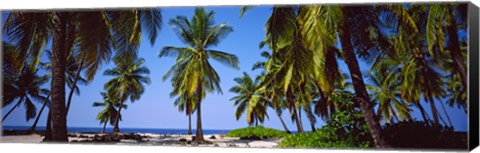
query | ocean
(127,130)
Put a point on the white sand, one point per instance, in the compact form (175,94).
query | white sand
(33,138)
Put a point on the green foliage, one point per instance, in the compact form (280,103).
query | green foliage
(417,134)
(346,128)
(323,138)
(257,132)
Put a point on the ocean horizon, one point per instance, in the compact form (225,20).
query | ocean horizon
(126,130)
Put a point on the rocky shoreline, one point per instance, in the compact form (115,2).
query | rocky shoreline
(212,140)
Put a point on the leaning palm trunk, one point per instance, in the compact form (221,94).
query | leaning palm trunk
(11,110)
(189,124)
(299,112)
(34,126)
(434,109)
(116,129)
(77,76)
(456,52)
(283,123)
(59,120)
(359,86)
(104,126)
(423,112)
(446,114)
(199,135)
(291,101)
(48,128)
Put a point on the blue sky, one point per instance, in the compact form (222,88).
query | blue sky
(155,109)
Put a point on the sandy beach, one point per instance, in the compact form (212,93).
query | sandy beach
(215,140)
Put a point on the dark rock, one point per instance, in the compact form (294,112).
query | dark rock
(183,140)
(83,136)
(193,138)
(215,145)
(213,137)
(189,142)
(232,145)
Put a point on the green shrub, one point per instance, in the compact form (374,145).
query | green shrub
(345,128)
(258,132)
(318,139)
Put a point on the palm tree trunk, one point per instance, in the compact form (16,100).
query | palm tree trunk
(199,132)
(59,120)
(116,129)
(48,130)
(431,101)
(395,115)
(446,114)
(104,126)
(456,53)
(77,76)
(423,112)
(311,118)
(189,124)
(435,110)
(13,108)
(359,85)
(283,123)
(299,112)
(34,126)
(291,101)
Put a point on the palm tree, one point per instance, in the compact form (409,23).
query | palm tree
(25,89)
(349,23)
(293,59)
(273,98)
(387,94)
(248,98)
(93,34)
(192,73)
(419,74)
(129,77)
(109,112)
(184,103)
(72,73)
(45,103)
(442,26)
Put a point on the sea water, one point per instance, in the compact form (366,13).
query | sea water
(126,130)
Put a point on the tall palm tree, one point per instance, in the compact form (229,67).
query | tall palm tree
(95,34)
(109,112)
(25,89)
(248,98)
(184,103)
(128,83)
(192,72)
